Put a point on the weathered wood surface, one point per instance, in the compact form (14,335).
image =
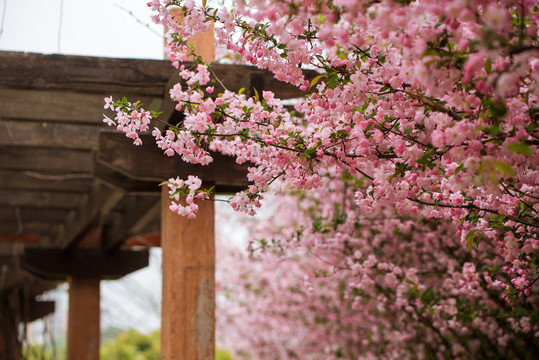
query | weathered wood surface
(148,163)
(46,160)
(121,76)
(61,105)
(83,74)
(135,215)
(32,214)
(28,227)
(188,305)
(88,211)
(39,180)
(83,320)
(38,309)
(57,263)
(48,134)
(121,181)
(39,199)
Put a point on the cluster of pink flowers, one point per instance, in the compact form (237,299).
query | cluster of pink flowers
(130,118)
(186,191)
(425,108)
(326,280)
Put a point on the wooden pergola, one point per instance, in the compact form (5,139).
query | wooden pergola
(76,196)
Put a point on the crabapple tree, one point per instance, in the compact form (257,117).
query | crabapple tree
(410,163)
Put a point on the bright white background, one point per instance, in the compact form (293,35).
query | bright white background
(80,27)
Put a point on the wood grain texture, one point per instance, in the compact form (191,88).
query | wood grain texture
(84,74)
(58,105)
(39,199)
(45,181)
(188,305)
(88,213)
(83,321)
(148,163)
(45,160)
(49,134)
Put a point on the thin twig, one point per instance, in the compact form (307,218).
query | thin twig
(3,19)
(60,21)
(138,20)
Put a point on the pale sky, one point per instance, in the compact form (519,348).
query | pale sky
(80,27)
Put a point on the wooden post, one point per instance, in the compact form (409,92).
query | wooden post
(204,43)
(83,318)
(188,304)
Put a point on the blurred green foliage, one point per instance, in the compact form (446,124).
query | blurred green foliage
(125,345)
(132,345)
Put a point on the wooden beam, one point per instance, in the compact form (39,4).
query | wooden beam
(52,105)
(44,181)
(148,163)
(235,77)
(138,212)
(188,303)
(49,134)
(83,73)
(122,76)
(38,199)
(38,309)
(121,181)
(32,227)
(90,210)
(20,238)
(57,263)
(146,240)
(32,214)
(45,160)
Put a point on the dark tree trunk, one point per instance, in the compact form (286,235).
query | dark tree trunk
(10,345)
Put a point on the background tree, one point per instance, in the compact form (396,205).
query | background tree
(411,163)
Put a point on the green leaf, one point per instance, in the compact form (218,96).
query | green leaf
(469,239)
(257,97)
(333,80)
(488,65)
(427,297)
(520,148)
(430,52)
(496,107)
(494,130)
(316,80)
(425,159)
(504,168)
(241,91)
